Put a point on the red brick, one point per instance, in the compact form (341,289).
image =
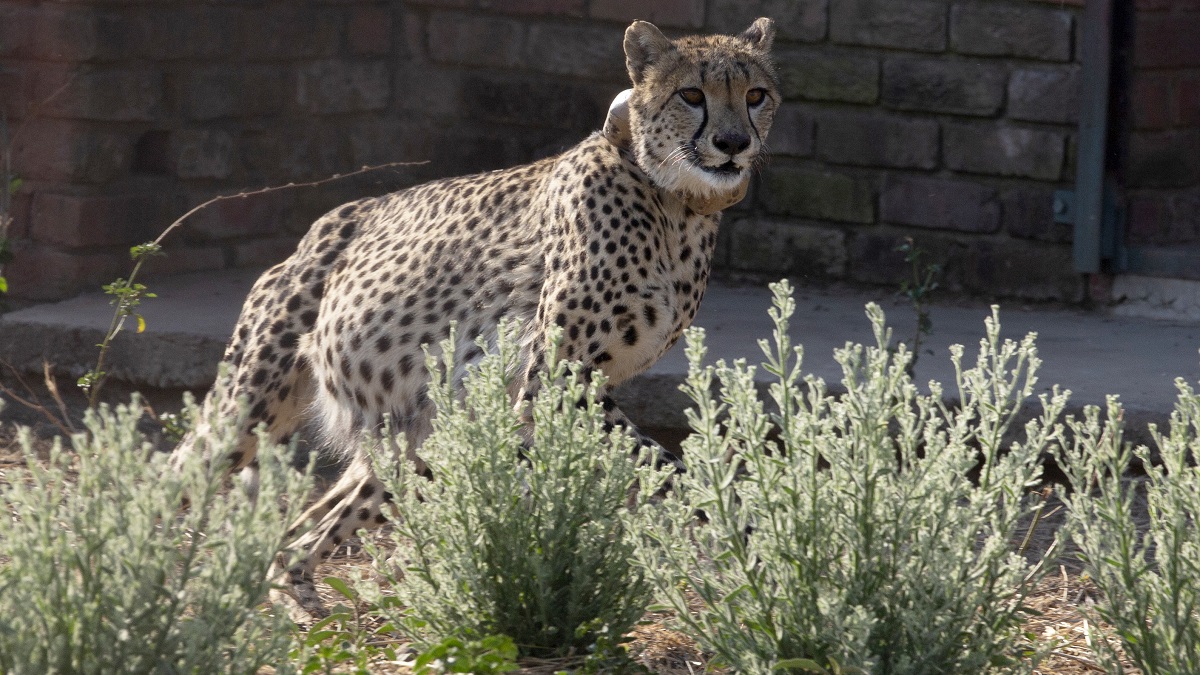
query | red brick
(264,252)
(288,32)
(111,95)
(467,40)
(40,272)
(1151,101)
(1146,215)
(673,13)
(77,221)
(536,7)
(183,259)
(338,86)
(1167,41)
(369,31)
(1187,101)
(255,215)
(444,3)
(47,32)
(54,150)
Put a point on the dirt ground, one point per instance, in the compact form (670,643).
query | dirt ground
(1059,600)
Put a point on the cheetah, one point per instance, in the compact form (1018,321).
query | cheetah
(611,241)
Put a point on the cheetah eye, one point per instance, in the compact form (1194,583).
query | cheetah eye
(756,96)
(692,96)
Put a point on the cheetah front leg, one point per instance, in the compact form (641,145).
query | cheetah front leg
(593,357)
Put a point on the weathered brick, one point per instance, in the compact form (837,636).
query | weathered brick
(41,272)
(119,95)
(533,102)
(1164,159)
(1015,268)
(820,195)
(672,13)
(877,140)
(201,153)
(1167,40)
(251,216)
(1187,100)
(875,258)
(1185,215)
(1148,214)
(176,31)
(792,131)
(49,32)
(939,203)
(1003,150)
(536,7)
(369,31)
(580,50)
(78,221)
(15,92)
(263,252)
(918,25)
(785,247)
(469,40)
(337,86)
(458,4)
(818,75)
(1028,213)
(940,85)
(1044,95)
(289,31)
(301,152)
(213,92)
(184,259)
(795,20)
(441,89)
(1001,29)
(54,150)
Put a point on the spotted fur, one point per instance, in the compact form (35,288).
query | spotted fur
(598,241)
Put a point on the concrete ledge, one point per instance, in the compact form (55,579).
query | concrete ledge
(1091,354)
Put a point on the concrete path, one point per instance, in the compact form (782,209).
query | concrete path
(1092,354)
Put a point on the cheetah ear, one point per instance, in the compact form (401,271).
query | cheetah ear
(760,34)
(645,45)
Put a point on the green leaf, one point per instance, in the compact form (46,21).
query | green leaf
(807,665)
(3,285)
(341,587)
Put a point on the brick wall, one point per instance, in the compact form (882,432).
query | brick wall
(1163,173)
(950,121)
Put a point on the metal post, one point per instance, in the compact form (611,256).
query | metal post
(1093,135)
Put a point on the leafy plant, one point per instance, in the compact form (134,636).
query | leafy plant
(524,540)
(1148,578)
(492,654)
(102,570)
(346,640)
(917,288)
(857,541)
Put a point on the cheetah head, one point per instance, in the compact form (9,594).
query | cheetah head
(701,106)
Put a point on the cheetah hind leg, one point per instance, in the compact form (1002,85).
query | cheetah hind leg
(355,502)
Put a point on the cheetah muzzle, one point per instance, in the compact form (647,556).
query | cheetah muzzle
(610,241)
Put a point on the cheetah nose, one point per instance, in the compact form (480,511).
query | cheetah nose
(731,142)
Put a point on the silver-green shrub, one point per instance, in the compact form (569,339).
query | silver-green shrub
(102,572)
(857,541)
(1148,575)
(517,539)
